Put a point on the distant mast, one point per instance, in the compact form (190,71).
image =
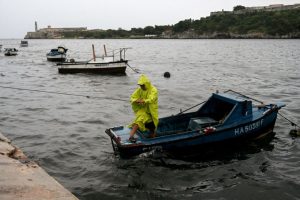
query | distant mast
(35,26)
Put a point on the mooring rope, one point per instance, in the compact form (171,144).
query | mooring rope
(292,123)
(63,93)
(132,68)
(244,96)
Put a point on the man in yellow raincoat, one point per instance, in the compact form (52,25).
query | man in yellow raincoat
(144,102)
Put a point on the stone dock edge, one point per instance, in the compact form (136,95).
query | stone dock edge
(21,178)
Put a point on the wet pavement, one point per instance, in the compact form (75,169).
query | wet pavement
(24,179)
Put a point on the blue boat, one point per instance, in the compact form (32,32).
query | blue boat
(57,55)
(225,118)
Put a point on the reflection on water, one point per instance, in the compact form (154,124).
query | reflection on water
(65,134)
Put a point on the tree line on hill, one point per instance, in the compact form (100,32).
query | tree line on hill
(275,24)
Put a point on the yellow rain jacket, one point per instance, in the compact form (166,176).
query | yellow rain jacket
(147,112)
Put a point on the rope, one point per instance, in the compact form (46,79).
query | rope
(244,96)
(190,108)
(62,93)
(292,123)
(132,68)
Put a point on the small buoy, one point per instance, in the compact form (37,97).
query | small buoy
(72,60)
(295,132)
(167,75)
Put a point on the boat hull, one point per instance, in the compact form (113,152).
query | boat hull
(11,54)
(94,68)
(60,58)
(246,132)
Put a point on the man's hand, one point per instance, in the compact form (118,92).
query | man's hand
(140,101)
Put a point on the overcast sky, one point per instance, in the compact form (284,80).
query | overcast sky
(18,16)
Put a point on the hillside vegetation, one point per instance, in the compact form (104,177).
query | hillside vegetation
(275,24)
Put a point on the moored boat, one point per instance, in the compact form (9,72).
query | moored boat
(107,64)
(225,118)
(24,43)
(57,55)
(113,67)
(10,51)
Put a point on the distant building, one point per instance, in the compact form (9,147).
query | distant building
(51,33)
(273,7)
(220,13)
(49,29)
(150,36)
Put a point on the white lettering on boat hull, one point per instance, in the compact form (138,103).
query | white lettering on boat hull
(248,128)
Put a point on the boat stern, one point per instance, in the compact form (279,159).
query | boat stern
(120,140)
(113,135)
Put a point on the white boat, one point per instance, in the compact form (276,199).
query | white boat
(24,43)
(98,65)
(57,55)
(10,51)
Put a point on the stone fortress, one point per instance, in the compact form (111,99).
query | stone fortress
(51,33)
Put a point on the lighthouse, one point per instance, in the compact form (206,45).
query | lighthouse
(35,26)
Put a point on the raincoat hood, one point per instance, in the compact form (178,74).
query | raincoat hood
(144,80)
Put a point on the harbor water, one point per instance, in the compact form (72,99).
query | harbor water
(65,134)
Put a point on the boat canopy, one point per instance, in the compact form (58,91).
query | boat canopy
(10,49)
(62,49)
(227,108)
(59,49)
(220,109)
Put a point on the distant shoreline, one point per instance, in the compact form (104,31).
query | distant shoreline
(273,24)
(150,38)
(219,38)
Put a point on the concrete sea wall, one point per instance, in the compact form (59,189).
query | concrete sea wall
(21,178)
